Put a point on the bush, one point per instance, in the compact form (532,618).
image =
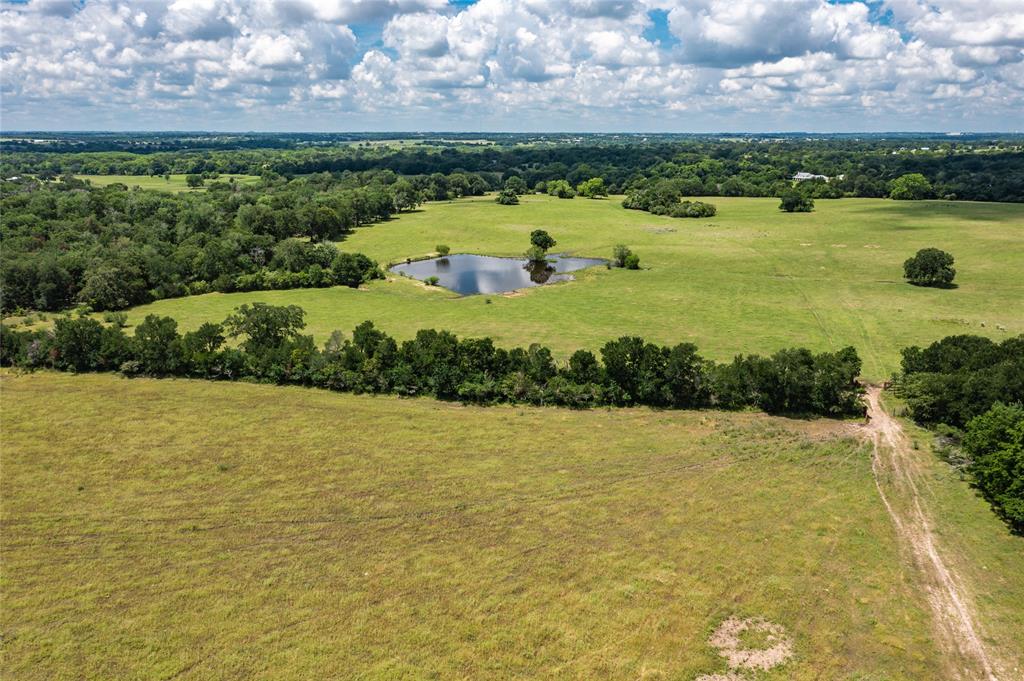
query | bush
(632,261)
(442,250)
(930,267)
(795,202)
(561,189)
(619,254)
(431,280)
(118,319)
(507,197)
(536,254)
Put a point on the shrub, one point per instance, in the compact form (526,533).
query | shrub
(795,202)
(632,261)
(930,267)
(619,254)
(536,254)
(442,250)
(431,280)
(118,319)
(437,363)
(561,189)
(507,197)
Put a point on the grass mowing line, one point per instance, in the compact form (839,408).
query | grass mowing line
(808,305)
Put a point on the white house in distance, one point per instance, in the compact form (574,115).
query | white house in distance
(801,176)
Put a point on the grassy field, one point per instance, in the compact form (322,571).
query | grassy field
(752,279)
(291,533)
(175,184)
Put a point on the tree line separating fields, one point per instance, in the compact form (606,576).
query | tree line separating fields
(271,348)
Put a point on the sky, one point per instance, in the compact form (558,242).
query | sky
(513,65)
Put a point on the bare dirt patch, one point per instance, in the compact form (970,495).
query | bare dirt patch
(773,647)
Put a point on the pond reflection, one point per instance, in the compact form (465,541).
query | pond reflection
(469,274)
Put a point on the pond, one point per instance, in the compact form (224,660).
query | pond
(468,274)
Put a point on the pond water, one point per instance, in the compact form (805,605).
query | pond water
(469,274)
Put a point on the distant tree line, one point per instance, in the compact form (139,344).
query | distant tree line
(270,347)
(66,243)
(706,167)
(971,390)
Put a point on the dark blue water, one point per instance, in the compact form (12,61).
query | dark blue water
(469,274)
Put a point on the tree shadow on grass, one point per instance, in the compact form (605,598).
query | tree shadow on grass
(926,210)
(950,285)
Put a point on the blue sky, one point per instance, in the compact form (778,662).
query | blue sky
(531,65)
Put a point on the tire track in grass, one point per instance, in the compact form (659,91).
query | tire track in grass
(953,613)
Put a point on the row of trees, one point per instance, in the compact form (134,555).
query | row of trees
(270,347)
(709,167)
(960,377)
(665,197)
(971,390)
(66,243)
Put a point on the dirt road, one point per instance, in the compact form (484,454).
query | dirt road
(896,471)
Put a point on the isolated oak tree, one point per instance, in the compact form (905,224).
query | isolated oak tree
(930,267)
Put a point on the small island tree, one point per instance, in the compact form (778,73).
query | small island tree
(540,242)
(930,267)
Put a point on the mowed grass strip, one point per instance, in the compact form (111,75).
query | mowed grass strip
(174,184)
(750,280)
(189,529)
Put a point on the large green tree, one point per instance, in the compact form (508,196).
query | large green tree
(930,267)
(910,187)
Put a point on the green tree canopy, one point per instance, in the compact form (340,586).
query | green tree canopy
(910,187)
(930,267)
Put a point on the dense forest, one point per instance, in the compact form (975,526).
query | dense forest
(66,243)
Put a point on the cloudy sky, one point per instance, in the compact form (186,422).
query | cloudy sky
(530,65)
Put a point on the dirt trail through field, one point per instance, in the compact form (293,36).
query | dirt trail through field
(896,472)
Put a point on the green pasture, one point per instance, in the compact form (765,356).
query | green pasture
(750,280)
(204,530)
